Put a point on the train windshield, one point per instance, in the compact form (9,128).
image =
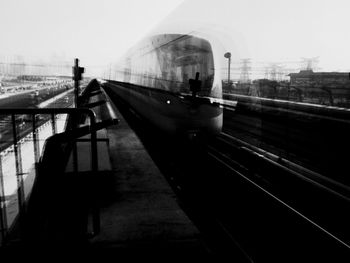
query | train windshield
(167,62)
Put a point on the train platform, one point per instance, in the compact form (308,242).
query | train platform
(140,214)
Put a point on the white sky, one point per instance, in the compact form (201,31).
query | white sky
(98,31)
(275,30)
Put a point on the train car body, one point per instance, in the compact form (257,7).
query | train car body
(155,78)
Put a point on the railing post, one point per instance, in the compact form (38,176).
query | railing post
(35,140)
(94,168)
(3,220)
(74,124)
(53,123)
(74,113)
(19,172)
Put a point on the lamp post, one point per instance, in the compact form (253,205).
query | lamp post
(228,56)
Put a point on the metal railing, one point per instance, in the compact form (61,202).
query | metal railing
(16,141)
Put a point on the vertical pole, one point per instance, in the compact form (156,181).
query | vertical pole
(228,56)
(53,123)
(19,173)
(75,149)
(76,81)
(3,214)
(35,141)
(229,65)
(94,167)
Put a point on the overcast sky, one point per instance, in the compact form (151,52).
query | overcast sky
(275,30)
(98,31)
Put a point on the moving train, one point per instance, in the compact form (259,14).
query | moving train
(174,81)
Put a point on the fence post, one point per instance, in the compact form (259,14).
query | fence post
(3,215)
(19,174)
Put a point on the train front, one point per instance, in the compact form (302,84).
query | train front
(172,80)
(191,74)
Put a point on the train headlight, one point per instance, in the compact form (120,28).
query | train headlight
(192,135)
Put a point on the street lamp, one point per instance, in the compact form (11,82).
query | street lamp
(228,56)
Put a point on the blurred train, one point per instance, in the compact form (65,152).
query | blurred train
(174,81)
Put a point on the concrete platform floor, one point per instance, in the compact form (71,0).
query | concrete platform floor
(140,213)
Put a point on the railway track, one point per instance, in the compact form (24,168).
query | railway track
(289,191)
(317,142)
(230,142)
(242,198)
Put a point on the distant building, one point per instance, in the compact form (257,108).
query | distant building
(309,78)
(330,88)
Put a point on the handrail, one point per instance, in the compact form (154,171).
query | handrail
(55,111)
(63,142)
(73,133)
(47,111)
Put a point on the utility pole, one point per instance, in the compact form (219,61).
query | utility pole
(310,63)
(245,68)
(273,71)
(110,71)
(77,76)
